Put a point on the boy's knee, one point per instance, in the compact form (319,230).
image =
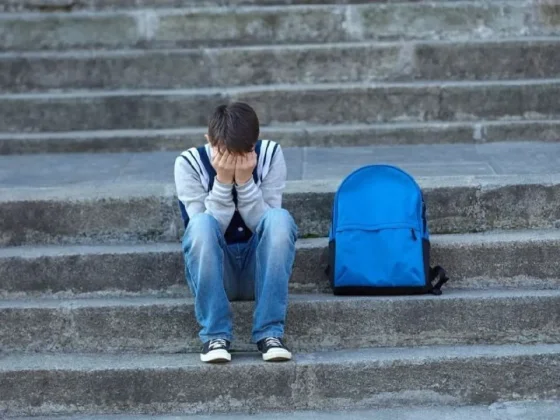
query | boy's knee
(203,223)
(280,218)
(281,226)
(202,229)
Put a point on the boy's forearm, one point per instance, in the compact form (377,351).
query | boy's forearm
(220,205)
(251,204)
(253,201)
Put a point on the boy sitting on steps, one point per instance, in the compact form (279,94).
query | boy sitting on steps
(239,244)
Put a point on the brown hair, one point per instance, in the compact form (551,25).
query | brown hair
(234,127)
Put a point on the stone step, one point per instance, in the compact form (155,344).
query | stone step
(315,104)
(303,163)
(74,5)
(355,379)
(289,135)
(524,259)
(315,322)
(294,64)
(504,410)
(214,26)
(112,212)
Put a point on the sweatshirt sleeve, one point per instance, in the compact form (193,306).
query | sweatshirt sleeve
(253,201)
(192,193)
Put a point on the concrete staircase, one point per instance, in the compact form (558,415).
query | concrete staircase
(95,317)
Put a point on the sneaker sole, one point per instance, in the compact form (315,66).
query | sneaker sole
(216,356)
(277,355)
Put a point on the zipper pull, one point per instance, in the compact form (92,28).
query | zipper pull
(413,234)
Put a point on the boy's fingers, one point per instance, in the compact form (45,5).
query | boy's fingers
(231,159)
(251,161)
(224,158)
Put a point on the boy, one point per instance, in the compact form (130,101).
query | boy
(239,244)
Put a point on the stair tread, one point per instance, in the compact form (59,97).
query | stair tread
(131,52)
(295,299)
(127,190)
(504,410)
(141,174)
(99,362)
(272,128)
(297,88)
(490,237)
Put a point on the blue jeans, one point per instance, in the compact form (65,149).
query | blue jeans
(259,269)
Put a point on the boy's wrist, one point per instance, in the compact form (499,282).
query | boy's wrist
(224,181)
(221,189)
(248,191)
(244,183)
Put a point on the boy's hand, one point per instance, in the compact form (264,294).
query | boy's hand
(224,164)
(244,167)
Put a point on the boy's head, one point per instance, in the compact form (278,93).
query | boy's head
(234,128)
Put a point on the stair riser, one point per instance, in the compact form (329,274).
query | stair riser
(504,410)
(312,325)
(71,5)
(315,64)
(459,208)
(277,25)
(315,105)
(307,385)
(322,136)
(526,263)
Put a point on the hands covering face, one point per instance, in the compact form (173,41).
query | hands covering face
(232,168)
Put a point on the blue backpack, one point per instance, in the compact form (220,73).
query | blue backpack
(379,241)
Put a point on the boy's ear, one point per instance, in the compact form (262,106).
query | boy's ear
(207,138)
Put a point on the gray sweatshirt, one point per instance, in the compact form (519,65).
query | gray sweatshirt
(253,199)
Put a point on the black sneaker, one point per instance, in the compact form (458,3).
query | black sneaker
(216,351)
(274,350)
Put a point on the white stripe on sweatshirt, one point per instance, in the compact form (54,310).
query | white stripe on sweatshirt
(253,200)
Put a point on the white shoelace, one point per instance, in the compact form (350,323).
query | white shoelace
(273,342)
(217,343)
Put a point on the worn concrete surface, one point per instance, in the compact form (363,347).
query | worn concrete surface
(130,197)
(289,135)
(149,212)
(335,103)
(73,5)
(278,25)
(315,322)
(329,380)
(518,410)
(108,198)
(295,64)
(304,163)
(507,260)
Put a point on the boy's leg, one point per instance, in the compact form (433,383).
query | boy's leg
(210,276)
(270,263)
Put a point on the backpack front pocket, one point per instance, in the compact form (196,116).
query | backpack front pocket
(379,258)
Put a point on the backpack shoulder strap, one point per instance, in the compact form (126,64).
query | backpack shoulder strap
(439,273)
